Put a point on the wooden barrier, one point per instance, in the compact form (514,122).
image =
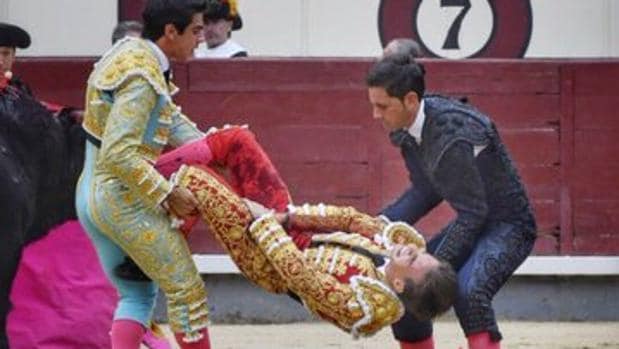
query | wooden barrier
(558,118)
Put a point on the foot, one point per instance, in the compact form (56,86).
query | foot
(154,341)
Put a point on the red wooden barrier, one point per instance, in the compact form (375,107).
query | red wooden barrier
(557,117)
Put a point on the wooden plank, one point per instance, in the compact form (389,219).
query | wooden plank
(519,111)
(597,245)
(498,77)
(596,112)
(596,218)
(596,182)
(56,80)
(542,182)
(520,143)
(547,216)
(304,74)
(314,143)
(596,148)
(597,78)
(328,179)
(269,108)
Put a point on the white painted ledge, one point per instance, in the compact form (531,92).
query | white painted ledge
(535,265)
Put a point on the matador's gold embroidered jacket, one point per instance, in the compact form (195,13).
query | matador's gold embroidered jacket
(332,278)
(130,118)
(130,110)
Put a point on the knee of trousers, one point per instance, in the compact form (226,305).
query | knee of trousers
(474,310)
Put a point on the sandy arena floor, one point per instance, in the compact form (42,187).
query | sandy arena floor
(518,335)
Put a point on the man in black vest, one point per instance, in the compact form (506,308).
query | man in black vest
(454,153)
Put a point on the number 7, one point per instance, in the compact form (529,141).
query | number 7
(451,42)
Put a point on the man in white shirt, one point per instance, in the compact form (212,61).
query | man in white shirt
(221,18)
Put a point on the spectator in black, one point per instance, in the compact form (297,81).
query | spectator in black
(11,38)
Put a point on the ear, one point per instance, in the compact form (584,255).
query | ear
(398,285)
(169,31)
(411,101)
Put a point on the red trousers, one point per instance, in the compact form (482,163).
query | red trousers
(234,154)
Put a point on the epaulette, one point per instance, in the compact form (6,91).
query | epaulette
(130,57)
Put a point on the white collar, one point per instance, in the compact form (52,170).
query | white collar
(225,50)
(417,126)
(164,63)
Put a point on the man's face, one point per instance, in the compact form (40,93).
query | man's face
(393,112)
(408,262)
(185,43)
(7,57)
(216,31)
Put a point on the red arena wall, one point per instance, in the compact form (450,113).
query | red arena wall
(557,117)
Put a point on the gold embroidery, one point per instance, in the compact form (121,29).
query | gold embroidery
(228,218)
(333,218)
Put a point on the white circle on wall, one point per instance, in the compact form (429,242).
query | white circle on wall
(455,28)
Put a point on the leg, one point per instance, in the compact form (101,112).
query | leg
(159,250)
(163,254)
(228,219)
(497,254)
(252,174)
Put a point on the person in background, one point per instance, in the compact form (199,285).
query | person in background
(11,38)
(356,271)
(221,18)
(127,28)
(403,46)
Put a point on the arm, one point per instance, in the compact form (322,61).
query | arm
(418,200)
(414,203)
(183,130)
(121,142)
(461,184)
(329,218)
(361,306)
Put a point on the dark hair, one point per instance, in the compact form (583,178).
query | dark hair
(398,74)
(224,9)
(434,296)
(124,27)
(158,13)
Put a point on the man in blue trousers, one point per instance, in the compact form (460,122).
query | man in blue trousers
(454,153)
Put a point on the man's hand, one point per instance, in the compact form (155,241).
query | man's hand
(181,202)
(256,209)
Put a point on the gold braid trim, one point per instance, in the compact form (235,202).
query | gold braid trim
(400,233)
(129,57)
(362,307)
(351,240)
(228,218)
(330,218)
